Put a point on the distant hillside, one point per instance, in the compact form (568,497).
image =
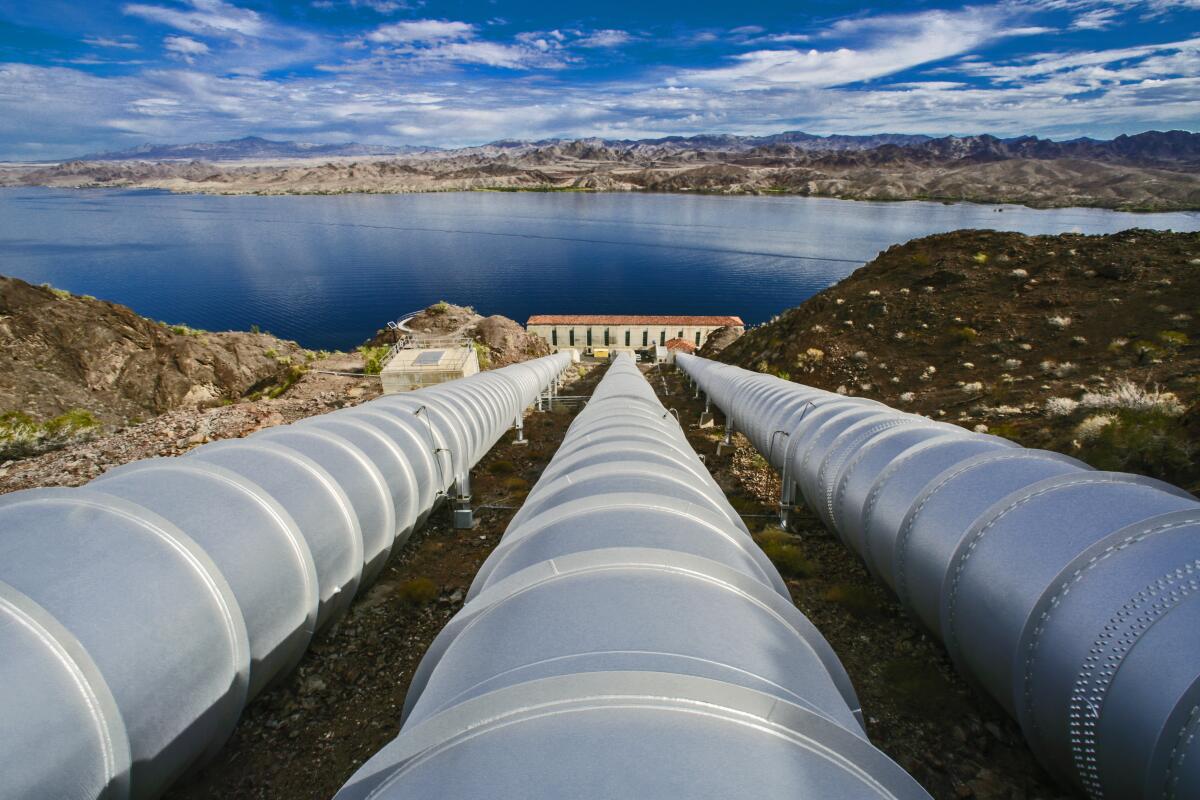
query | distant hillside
(247,148)
(1151,171)
(1085,344)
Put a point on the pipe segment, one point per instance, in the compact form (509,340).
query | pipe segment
(140,613)
(627,638)
(1072,596)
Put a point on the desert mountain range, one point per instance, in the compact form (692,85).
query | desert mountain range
(1151,171)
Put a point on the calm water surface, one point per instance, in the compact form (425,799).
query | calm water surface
(329,271)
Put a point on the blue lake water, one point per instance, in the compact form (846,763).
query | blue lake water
(329,271)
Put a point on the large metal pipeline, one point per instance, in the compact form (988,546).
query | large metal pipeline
(1071,595)
(140,613)
(627,638)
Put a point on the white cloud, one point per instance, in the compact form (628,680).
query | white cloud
(379,6)
(204,17)
(184,48)
(604,38)
(422,30)
(1095,20)
(121,42)
(890,44)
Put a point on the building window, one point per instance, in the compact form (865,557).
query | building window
(571,336)
(645,338)
(697,338)
(627,335)
(662,338)
(589,337)
(606,337)
(681,334)
(554,336)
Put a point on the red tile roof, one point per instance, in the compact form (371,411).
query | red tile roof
(632,319)
(681,344)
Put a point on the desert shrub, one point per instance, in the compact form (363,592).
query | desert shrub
(21,435)
(809,359)
(373,358)
(964,335)
(980,258)
(61,294)
(1059,322)
(417,592)
(1129,395)
(860,601)
(1147,441)
(784,554)
(515,484)
(501,467)
(1173,339)
(439,308)
(293,374)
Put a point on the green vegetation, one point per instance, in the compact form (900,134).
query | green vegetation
(271,352)
(515,484)
(184,330)
(501,467)
(963,335)
(860,601)
(1174,339)
(439,308)
(980,258)
(373,358)
(780,547)
(61,294)
(1146,441)
(484,353)
(293,374)
(21,435)
(417,592)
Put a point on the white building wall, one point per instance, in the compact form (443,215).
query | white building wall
(655,334)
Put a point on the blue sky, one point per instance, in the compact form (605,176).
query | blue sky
(103,74)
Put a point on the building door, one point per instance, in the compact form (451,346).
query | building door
(606,337)
(554,336)
(697,338)
(662,338)
(571,336)
(589,337)
(627,335)
(645,338)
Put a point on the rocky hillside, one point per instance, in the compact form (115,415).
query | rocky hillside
(83,361)
(499,340)
(1085,344)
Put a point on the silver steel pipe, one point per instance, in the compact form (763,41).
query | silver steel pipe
(627,638)
(139,614)
(1071,595)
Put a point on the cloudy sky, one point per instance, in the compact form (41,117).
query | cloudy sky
(88,75)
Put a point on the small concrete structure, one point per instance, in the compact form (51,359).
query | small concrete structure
(413,367)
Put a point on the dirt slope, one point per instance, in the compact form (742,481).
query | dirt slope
(1085,344)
